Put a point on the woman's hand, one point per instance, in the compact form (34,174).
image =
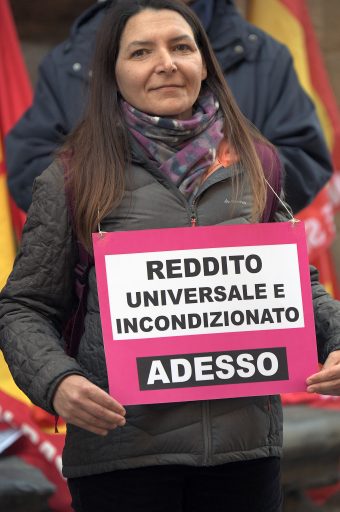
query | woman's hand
(327,380)
(85,405)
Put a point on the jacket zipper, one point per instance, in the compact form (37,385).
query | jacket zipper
(269,404)
(206,432)
(271,427)
(193,215)
(205,403)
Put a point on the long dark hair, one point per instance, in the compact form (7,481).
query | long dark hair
(99,146)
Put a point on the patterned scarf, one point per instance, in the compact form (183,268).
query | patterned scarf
(182,149)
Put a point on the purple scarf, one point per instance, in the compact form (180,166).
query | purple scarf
(182,149)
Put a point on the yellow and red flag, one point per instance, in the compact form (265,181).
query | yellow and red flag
(7,243)
(289,22)
(15,98)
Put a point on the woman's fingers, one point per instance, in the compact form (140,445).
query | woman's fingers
(332,360)
(327,380)
(82,403)
(91,423)
(100,397)
(326,387)
(96,413)
(323,375)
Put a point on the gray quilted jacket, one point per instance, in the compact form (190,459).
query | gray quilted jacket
(38,297)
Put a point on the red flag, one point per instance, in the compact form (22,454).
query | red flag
(15,98)
(290,23)
(15,88)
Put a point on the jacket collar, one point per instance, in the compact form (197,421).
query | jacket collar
(231,36)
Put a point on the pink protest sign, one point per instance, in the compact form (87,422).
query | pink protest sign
(205,312)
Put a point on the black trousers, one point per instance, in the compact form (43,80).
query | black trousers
(251,486)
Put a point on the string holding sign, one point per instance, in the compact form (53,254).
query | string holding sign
(293,220)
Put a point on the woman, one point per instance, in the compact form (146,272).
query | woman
(162,145)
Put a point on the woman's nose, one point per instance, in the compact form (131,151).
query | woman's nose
(165,63)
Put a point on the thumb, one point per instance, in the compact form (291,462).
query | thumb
(332,360)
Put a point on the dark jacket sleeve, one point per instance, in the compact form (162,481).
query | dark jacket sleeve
(33,140)
(56,108)
(38,296)
(326,308)
(292,126)
(327,318)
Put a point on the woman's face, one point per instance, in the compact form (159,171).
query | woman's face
(159,69)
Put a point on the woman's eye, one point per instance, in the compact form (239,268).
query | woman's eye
(182,47)
(139,53)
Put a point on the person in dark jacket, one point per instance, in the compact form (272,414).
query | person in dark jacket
(162,142)
(258,69)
